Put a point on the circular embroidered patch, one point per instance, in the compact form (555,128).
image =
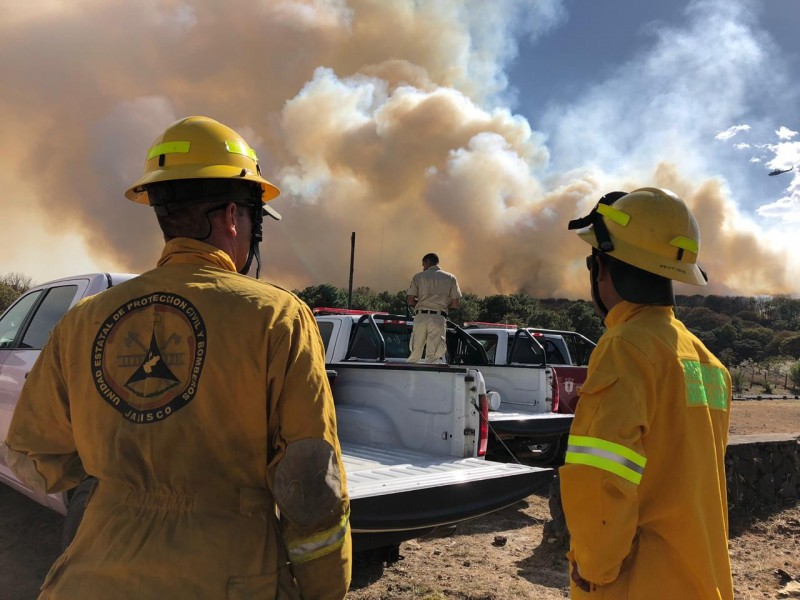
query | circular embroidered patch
(148,355)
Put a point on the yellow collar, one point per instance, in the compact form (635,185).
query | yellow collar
(625,311)
(183,250)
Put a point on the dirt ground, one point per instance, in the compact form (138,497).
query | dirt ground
(503,555)
(497,557)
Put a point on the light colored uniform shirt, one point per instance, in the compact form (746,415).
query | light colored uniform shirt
(434,289)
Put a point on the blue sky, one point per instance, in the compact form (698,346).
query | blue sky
(599,48)
(473,128)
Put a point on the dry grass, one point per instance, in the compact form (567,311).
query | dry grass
(766,555)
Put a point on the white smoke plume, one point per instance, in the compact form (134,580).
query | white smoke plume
(394,120)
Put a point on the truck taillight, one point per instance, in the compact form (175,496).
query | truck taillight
(556,395)
(483,430)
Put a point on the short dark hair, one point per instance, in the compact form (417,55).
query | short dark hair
(167,196)
(183,206)
(431,258)
(193,221)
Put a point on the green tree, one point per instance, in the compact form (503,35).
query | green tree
(365,299)
(727,357)
(790,346)
(584,320)
(794,376)
(773,347)
(325,294)
(702,319)
(762,335)
(785,312)
(744,349)
(738,381)
(393,303)
(544,318)
(469,310)
(725,336)
(498,308)
(12,286)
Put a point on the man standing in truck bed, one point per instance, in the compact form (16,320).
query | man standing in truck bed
(431,293)
(198,399)
(643,485)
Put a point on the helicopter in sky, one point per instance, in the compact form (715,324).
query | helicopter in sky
(779,171)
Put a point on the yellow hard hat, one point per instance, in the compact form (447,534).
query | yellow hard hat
(649,228)
(200,148)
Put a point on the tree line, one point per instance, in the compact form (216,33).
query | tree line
(735,328)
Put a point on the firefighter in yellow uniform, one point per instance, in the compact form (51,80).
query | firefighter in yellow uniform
(643,487)
(198,399)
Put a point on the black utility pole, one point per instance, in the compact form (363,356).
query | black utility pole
(352,256)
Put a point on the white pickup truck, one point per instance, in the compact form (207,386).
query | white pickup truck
(566,353)
(529,423)
(535,355)
(413,460)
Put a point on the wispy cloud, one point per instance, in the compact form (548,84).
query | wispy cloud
(742,146)
(731,131)
(784,133)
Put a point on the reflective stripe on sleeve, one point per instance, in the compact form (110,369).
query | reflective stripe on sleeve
(608,456)
(317,545)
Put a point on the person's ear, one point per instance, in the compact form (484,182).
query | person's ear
(231,219)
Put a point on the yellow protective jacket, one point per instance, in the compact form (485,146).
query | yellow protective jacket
(643,487)
(198,398)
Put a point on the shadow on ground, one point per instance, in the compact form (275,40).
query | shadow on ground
(30,540)
(546,566)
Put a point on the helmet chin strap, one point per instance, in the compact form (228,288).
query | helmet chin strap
(255,240)
(595,287)
(254,253)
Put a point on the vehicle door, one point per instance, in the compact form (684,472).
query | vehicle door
(24,329)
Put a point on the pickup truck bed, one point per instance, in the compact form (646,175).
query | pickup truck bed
(396,494)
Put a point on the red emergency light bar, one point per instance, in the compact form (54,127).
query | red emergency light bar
(320,310)
(495,325)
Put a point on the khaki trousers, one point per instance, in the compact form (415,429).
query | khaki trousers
(428,334)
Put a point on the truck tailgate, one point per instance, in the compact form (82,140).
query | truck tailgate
(402,490)
(527,424)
